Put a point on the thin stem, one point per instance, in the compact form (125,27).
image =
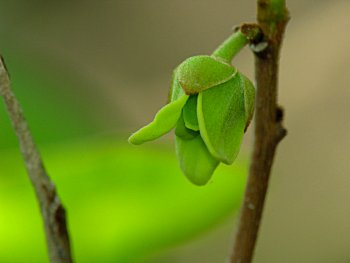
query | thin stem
(246,33)
(272,18)
(52,211)
(231,46)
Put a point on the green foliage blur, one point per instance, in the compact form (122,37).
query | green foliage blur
(124,202)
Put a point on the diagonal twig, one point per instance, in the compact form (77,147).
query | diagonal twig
(52,211)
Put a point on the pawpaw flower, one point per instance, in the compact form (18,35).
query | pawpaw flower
(211,105)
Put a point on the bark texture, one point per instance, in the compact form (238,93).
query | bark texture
(272,19)
(52,211)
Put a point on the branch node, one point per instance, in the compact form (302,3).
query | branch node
(253,32)
(281,133)
(257,40)
(259,48)
(279,114)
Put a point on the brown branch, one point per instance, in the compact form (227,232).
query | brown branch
(52,211)
(272,18)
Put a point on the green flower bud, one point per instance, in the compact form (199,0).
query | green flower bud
(211,105)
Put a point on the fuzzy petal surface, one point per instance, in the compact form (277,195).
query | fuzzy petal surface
(199,73)
(221,118)
(195,160)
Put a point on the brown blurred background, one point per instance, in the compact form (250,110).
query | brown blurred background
(126,51)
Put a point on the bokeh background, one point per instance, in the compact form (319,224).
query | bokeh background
(88,73)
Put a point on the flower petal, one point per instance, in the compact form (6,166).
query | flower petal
(190,113)
(163,122)
(221,118)
(195,160)
(183,132)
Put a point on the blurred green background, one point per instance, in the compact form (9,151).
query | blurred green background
(88,73)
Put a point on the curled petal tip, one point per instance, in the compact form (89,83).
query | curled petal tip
(133,140)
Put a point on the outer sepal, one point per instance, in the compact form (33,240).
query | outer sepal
(249,100)
(221,118)
(176,90)
(199,73)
